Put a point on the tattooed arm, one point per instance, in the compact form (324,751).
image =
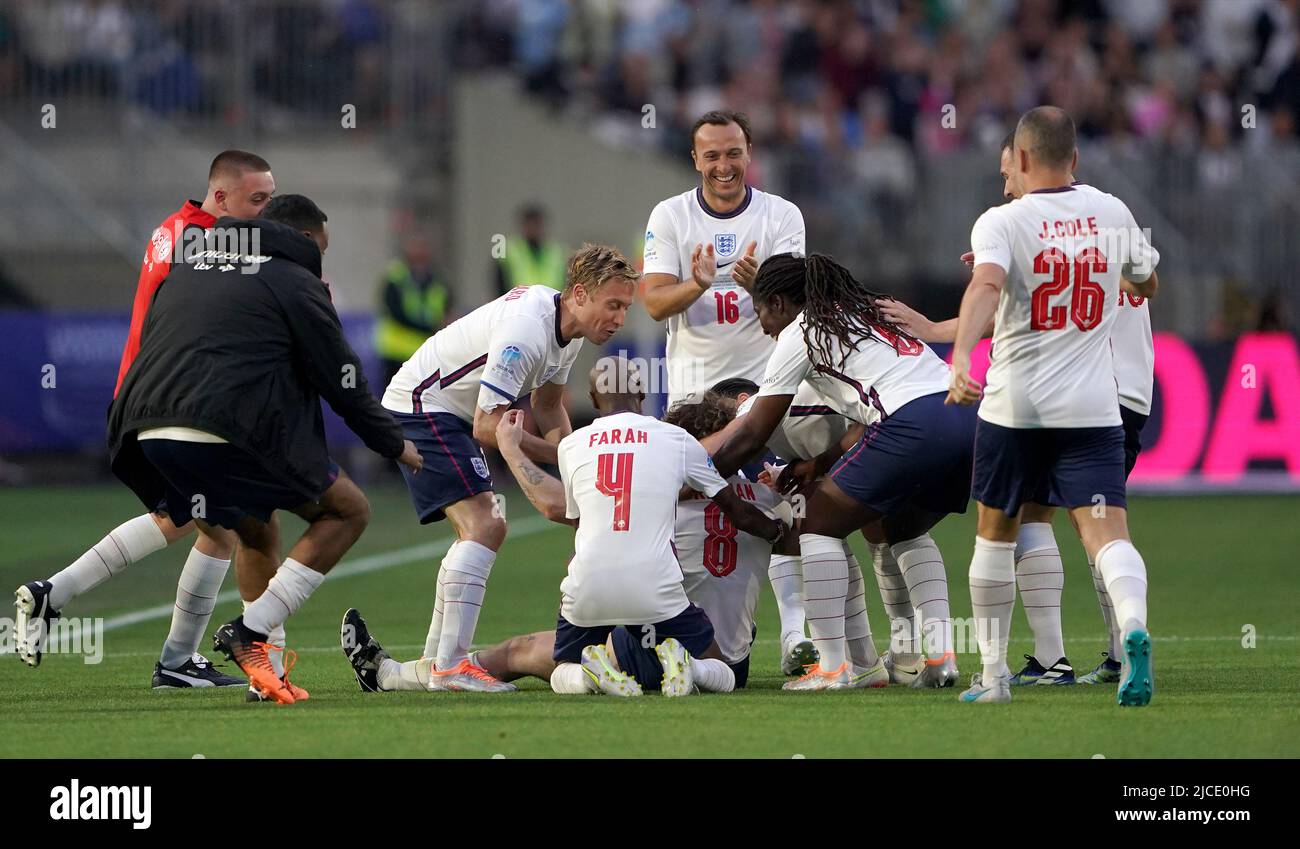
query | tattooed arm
(544,491)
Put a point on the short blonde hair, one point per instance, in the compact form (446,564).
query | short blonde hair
(595,265)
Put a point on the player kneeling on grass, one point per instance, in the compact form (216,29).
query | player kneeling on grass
(450,396)
(911,467)
(625,622)
(220,414)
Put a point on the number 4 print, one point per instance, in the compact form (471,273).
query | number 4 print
(614,478)
(1085,300)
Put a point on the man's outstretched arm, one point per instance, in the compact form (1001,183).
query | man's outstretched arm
(544,491)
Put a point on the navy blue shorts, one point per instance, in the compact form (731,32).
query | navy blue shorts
(1133,424)
(454,465)
(219,483)
(571,639)
(1065,467)
(691,628)
(920,456)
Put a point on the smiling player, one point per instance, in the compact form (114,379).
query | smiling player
(449,398)
(702,250)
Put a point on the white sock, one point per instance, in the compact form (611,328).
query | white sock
(289,588)
(1041,578)
(569,679)
(1107,610)
(898,603)
(992,596)
(1126,581)
(468,565)
(784,574)
(435,624)
(857,628)
(826,584)
(921,565)
(711,675)
(410,676)
(196,597)
(276,637)
(127,543)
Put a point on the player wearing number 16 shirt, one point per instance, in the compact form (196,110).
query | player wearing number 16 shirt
(702,251)
(1049,264)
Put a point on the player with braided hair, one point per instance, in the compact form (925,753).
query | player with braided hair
(911,467)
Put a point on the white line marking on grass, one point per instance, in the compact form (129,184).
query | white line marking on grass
(347,569)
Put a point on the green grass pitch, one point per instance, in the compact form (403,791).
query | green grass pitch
(1217,566)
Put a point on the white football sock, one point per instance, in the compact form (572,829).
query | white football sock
(898,604)
(1126,581)
(127,543)
(921,565)
(1107,610)
(712,675)
(826,583)
(857,628)
(291,585)
(569,679)
(196,597)
(465,583)
(276,637)
(992,596)
(410,676)
(435,624)
(1041,578)
(784,573)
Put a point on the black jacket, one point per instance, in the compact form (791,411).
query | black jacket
(247,356)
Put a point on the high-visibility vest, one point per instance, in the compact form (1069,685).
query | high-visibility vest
(524,268)
(395,341)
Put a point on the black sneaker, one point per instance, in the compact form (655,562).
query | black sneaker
(249,649)
(361,650)
(33,620)
(196,671)
(1035,673)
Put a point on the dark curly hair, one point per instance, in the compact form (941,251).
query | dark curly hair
(836,307)
(704,417)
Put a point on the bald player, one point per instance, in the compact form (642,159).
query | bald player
(239,185)
(625,623)
(1039,570)
(1051,266)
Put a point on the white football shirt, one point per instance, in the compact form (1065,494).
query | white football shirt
(872,383)
(810,425)
(1132,345)
(622,475)
(1064,251)
(498,353)
(724,567)
(718,336)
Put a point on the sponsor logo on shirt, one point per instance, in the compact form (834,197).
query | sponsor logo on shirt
(507,364)
(724,244)
(162,245)
(649,251)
